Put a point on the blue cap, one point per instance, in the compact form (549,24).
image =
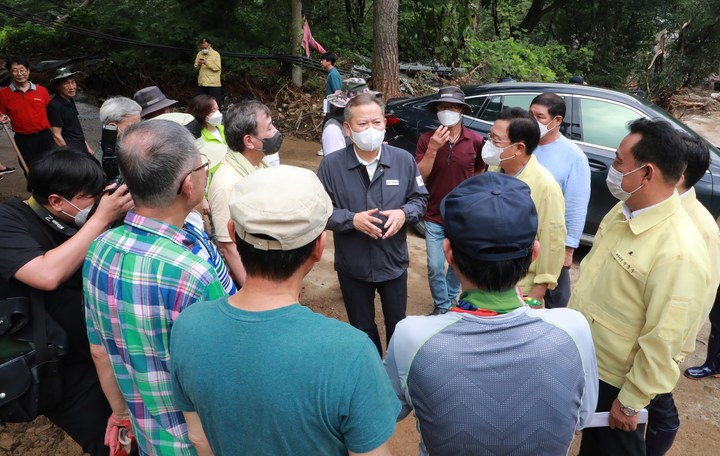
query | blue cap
(491,217)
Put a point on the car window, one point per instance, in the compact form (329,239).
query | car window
(499,102)
(518,101)
(476,104)
(605,124)
(492,109)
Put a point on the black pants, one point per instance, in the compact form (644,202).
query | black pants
(560,296)
(215,92)
(663,425)
(604,441)
(34,146)
(713,350)
(359,298)
(84,410)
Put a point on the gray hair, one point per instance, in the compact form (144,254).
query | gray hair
(116,108)
(241,120)
(361,100)
(154,158)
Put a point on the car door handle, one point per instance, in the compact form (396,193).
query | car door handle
(596,165)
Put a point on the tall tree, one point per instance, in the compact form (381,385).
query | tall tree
(296,31)
(385,66)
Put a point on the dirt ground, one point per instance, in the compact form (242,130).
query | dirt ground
(698,401)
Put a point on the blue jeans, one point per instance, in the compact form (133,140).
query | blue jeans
(444,287)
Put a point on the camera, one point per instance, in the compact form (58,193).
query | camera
(108,142)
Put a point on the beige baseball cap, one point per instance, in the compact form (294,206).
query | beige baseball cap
(280,208)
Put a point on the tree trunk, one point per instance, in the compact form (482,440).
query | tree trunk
(297,31)
(385,66)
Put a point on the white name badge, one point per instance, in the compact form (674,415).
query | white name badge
(392,182)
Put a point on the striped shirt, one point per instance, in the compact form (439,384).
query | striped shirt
(205,249)
(137,279)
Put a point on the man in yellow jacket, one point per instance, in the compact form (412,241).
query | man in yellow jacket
(643,285)
(513,138)
(207,62)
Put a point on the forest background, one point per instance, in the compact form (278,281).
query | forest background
(664,44)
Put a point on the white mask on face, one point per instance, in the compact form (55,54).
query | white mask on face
(614,183)
(491,153)
(448,118)
(81,217)
(215,118)
(368,139)
(544,128)
(206,51)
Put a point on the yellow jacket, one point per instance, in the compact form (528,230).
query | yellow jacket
(231,171)
(641,288)
(708,228)
(209,72)
(550,204)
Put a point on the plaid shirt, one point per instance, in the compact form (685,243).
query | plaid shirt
(137,280)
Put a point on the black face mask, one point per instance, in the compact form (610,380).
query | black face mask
(271,145)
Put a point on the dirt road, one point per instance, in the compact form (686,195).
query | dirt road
(698,401)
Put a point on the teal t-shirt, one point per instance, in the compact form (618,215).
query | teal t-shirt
(334,82)
(280,382)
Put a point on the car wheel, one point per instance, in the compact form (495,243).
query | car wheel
(418,228)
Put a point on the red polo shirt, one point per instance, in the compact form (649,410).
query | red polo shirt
(27,110)
(451,166)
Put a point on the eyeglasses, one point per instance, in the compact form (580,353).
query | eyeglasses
(205,166)
(496,141)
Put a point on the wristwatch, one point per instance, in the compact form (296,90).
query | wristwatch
(628,411)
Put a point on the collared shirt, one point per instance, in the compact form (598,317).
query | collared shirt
(27,110)
(137,280)
(708,228)
(641,288)
(396,184)
(569,166)
(452,371)
(452,165)
(234,168)
(209,72)
(550,204)
(370,166)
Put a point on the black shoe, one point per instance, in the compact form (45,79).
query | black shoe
(7,170)
(438,311)
(703,371)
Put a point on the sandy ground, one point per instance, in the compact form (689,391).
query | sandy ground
(698,401)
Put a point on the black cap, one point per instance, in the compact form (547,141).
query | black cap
(491,217)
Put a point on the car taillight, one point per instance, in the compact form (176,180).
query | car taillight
(392,119)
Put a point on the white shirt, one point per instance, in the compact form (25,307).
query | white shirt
(370,166)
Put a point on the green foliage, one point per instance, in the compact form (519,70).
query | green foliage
(524,61)
(692,47)
(604,41)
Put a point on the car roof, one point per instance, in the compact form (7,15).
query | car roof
(575,89)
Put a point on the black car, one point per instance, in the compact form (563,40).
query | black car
(596,119)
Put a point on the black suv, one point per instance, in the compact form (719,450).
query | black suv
(596,119)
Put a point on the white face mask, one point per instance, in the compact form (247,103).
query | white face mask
(81,217)
(544,128)
(491,153)
(368,139)
(448,118)
(614,183)
(215,118)
(206,51)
